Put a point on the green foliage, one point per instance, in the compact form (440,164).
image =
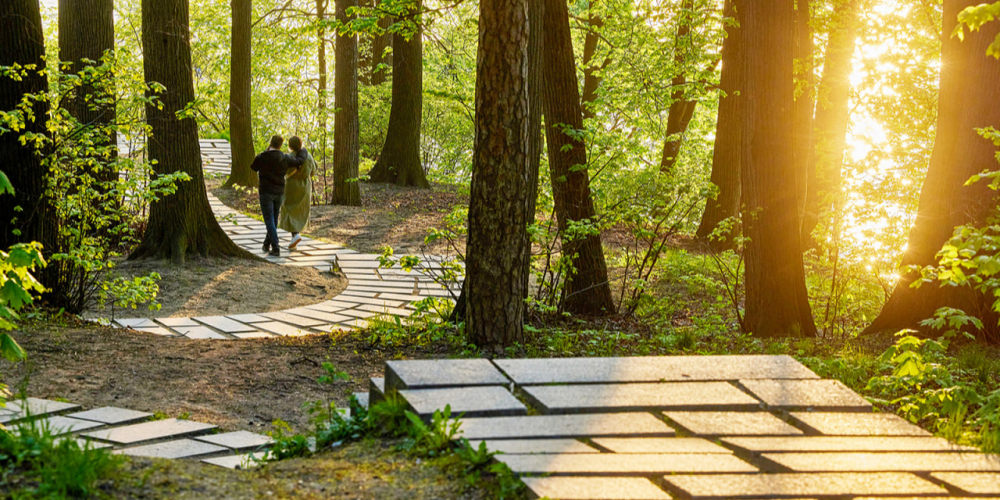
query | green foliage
(286,443)
(974,18)
(129,293)
(17,285)
(430,440)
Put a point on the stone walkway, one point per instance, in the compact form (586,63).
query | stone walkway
(691,427)
(370,292)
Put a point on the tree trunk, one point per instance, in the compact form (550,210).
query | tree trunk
(321,92)
(399,162)
(380,43)
(725,156)
(832,118)
(804,105)
(969,98)
(240,126)
(182,223)
(681,109)
(346,142)
(536,14)
(591,80)
(365,45)
(498,203)
(23,43)
(587,290)
(776,300)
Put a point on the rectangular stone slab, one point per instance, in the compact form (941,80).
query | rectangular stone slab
(842,443)
(615,464)
(149,431)
(697,487)
(533,446)
(200,332)
(17,410)
(826,395)
(885,462)
(732,423)
(858,424)
(659,445)
(438,373)
(376,391)
(977,483)
(594,488)
(652,369)
(181,448)
(596,398)
(291,319)
(565,426)
(243,461)
(485,401)
(238,440)
(57,425)
(225,324)
(111,415)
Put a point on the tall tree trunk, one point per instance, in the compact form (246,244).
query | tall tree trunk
(536,14)
(498,202)
(726,156)
(587,289)
(681,109)
(804,104)
(23,43)
(346,142)
(240,126)
(321,92)
(380,43)
(776,300)
(969,98)
(365,44)
(591,80)
(399,162)
(832,117)
(182,223)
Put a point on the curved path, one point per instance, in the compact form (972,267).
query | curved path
(370,291)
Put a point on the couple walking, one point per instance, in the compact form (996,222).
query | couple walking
(285,190)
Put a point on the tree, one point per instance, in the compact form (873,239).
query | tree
(725,156)
(399,162)
(804,105)
(381,42)
(831,120)
(591,70)
(776,300)
(346,142)
(496,262)
(182,223)
(587,289)
(321,82)
(240,126)
(969,98)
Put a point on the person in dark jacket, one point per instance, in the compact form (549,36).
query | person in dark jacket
(271,166)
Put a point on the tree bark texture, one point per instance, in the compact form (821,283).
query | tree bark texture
(380,43)
(804,103)
(346,142)
(498,206)
(182,223)
(240,125)
(587,290)
(969,98)
(536,13)
(399,163)
(681,109)
(831,120)
(23,43)
(776,301)
(321,89)
(725,156)
(591,70)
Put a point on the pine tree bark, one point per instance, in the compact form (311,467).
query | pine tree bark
(804,104)
(399,163)
(380,43)
(969,98)
(831,120)
(776,301)
(681,109)
(725,156)
(346,142)
(240,125)
(587,290)
(498,206)
(23,43)
(182,223)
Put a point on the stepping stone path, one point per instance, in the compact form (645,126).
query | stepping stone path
(130,432)
(371,292)
(687,427)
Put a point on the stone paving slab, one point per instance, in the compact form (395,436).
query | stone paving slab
(136,322)
(708,423)
(149,431)
(858,424)
(376,391)
(111,415)
(257,334)
(829,395)
(843,443)
(615,464)
(438,373)
(391,311)
(594,488)
(596,398)
(885,462)
(534,446)
(238,440)
(248,318)
(565,426)
(200,332)
(659,445)
(181,448)
(157,331)
(320,315)
(467,401)
(279,328)
(292,319)
(173,322)
(33,407)
(733,486)
(243,461)
(57,425)
(652,369)
(976,483)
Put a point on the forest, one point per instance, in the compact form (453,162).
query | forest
(576,178)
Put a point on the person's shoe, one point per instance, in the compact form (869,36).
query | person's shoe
(266,247)
(295,241)
(275,252)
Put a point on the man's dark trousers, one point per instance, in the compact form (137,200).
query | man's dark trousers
(270,205)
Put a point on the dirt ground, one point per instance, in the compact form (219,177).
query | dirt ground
(223,286)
